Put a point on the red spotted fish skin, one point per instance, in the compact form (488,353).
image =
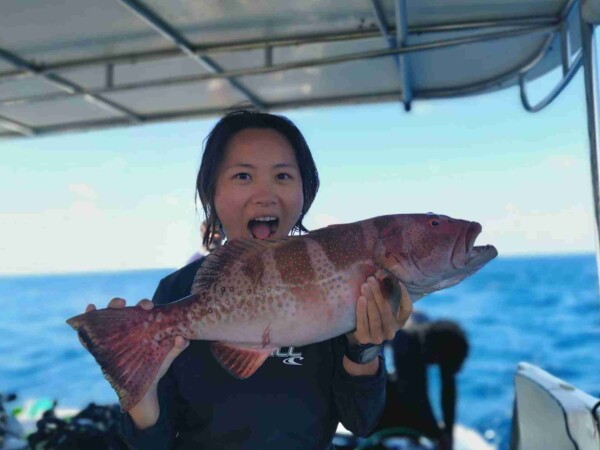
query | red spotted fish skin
(250,296)
(301,290)
(289,292)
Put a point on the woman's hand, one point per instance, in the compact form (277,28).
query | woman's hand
(375,318)
(145,413)
(376,321)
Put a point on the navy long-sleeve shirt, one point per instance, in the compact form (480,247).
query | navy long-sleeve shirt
(295,400)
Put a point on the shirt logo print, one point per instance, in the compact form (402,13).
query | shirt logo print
(291,358)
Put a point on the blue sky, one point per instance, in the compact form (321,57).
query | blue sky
(124,198)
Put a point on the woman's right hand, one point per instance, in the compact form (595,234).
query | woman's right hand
(145,413)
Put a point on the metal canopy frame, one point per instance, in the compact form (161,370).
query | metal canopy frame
(569,66)
(361,56)
(397,38)
(186,47)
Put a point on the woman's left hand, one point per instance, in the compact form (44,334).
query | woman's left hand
(375,318)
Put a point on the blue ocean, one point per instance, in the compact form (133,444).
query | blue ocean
(544,310)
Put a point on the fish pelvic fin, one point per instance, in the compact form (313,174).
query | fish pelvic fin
(128,347)
(241,361)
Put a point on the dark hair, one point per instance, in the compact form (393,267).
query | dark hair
(214,153)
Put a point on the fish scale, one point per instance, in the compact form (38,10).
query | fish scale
(251,296)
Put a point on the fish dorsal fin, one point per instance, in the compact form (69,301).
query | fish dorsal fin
(220,260)
(241,361)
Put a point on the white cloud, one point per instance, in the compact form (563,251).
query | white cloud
(117,164)
(533,231)
(83,237)
(83,190)
(84,209)
(434,166)
(422,108)
(321,220)
(177,243)
(563,161)
(172,200)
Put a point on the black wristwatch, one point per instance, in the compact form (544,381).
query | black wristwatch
(361,353)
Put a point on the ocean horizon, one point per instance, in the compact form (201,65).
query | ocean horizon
(170,269)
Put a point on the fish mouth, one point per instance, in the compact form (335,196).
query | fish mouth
(477,256)
(263,227)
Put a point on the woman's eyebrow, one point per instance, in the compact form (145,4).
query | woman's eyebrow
(241,165)
(252,166)
(285,166)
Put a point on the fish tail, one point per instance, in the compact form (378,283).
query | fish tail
(128,344)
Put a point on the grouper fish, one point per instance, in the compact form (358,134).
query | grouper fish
(252,296)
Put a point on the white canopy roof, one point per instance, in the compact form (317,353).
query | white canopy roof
(79,64)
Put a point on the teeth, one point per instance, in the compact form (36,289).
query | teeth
(265,219)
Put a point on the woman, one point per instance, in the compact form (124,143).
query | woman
(257,180)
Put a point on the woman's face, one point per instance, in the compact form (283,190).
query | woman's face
(259,188)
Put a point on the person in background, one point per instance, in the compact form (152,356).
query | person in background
(208,244)
(420,344)
(257,180)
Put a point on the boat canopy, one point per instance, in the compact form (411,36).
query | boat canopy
(89,64)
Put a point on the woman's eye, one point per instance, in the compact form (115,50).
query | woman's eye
(284,176)
(242,176)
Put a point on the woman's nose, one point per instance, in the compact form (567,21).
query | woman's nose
(264,194)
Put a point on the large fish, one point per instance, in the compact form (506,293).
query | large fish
(251,296)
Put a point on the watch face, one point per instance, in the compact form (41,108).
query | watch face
(362,353)
(369,354)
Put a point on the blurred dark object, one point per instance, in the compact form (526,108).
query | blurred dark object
(12,436)
(420,344)
(399,438)
(93,428)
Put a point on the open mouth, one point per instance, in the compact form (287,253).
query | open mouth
(477,255)
(263,227)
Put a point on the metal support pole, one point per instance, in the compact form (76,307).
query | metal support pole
(565,47)
(401,41)
(381,23)
(590,72)
(268,56)
(110,75)
(397,42)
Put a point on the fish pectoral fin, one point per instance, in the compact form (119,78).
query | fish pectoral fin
(241,361)
(388,284)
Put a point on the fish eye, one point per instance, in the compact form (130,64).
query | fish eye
(434,222)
